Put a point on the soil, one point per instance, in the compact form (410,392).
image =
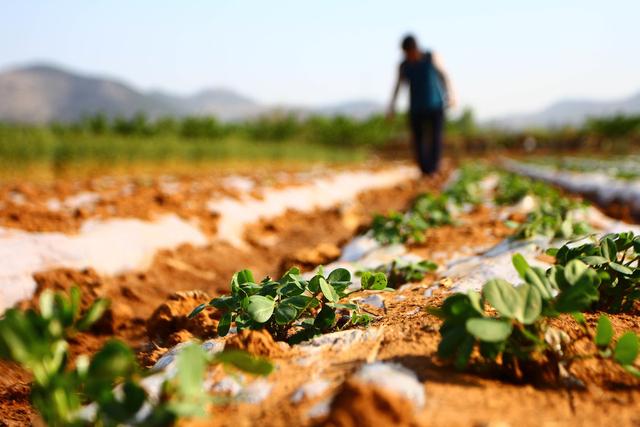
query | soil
(141,301)
(149,311)
(363,405)
(258,343)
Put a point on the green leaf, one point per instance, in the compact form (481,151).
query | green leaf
(621,268)
(632,370)
(464,352)
(93,314)
(365,278)
(115,360)
(626,349)
(502,296)
(314,284)
(594,260)
(340,275)
(476,301)
(604,332)
(74,299)
(298,301)
(574,270)
(328,291)
(489,329)
(577,298)
(451,340)
(537,278)
(491,350)
(531,303)
(285,313)
(260,308)
(46,304)
(373,281)
(225,303)
(579,318)
(197,310)
(62,308)
(343,306)
(552,251)
(243,276)
(325,318)
(608,248)
(520,264)
(245,362)
(191,364)
(225,324)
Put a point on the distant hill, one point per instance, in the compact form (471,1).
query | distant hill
(570,112)
(45,93)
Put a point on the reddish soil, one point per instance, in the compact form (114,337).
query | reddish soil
(143,301)
(360,405)
(149,312)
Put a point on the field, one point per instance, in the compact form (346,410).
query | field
(265,276)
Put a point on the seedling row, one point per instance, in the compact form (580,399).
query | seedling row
(508,329)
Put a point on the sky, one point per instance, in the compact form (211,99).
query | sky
(503,56)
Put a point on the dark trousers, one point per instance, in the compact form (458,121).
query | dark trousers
(426,130)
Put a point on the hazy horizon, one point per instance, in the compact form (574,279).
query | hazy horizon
(503,58)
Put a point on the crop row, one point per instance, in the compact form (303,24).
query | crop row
(506,325)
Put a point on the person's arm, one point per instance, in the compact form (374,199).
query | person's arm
(391,111)
(451,95)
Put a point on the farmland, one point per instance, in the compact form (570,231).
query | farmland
(492,293)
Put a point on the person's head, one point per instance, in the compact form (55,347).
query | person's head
(410,47)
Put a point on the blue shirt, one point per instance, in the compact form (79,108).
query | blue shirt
(426,92)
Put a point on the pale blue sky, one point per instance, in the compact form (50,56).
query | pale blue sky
(504,56)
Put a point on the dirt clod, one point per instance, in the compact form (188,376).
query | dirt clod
(308,258)
(170,324)
(360,405)
(258,343)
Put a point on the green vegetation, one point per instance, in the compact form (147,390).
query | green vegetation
(427,211)
(520,334)
(553,215)
(430,210)
(615,259)
(401,271)
(512,188)
(99,142)
(553,220)
(292,308)
(111,380)
(624,351)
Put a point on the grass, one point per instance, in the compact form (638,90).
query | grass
(41,154)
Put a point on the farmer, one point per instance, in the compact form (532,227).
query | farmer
(429,93)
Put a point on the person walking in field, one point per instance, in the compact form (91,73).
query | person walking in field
(430,93)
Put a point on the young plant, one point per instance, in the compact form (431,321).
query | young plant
(291,308)
(554,220)
(401,271)
(513,187)
(615,258)
(427,211)
(624,351)
(110,382)
(517,331)
(399,227)
(466,188)
(37,340)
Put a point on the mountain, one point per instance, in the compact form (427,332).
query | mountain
(570,112)
(44,93)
